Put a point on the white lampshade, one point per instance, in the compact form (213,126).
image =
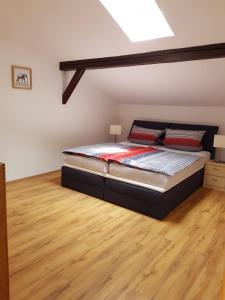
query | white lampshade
(219,141)
(115,129)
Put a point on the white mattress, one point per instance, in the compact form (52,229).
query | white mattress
(147,179)
(95,165)
(153,180)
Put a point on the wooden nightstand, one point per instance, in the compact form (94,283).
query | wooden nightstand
(215,175)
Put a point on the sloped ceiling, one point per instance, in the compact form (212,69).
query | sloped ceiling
(76,29)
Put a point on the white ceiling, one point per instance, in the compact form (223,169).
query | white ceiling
(76,29)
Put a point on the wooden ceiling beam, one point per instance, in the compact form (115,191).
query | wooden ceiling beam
(156,57)
(211,51)
(72,85)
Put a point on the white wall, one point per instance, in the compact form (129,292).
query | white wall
(34,126)
(126,113)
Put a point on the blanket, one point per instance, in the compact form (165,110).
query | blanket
(145,158)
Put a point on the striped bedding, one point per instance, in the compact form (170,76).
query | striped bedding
(145,158)
(185,140)
(146,136)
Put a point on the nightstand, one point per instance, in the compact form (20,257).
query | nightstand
(215,175)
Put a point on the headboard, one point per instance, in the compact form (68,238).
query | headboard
(207,142)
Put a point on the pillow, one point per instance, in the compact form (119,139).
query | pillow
(146,136)
(186,140)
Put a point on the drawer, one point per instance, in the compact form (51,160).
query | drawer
(215,170)
(214,181)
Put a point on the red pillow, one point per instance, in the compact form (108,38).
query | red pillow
(186,140)
(146,136)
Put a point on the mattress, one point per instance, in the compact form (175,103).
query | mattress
(156,181)
(90,164)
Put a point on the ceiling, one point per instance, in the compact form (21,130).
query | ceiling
(76,29)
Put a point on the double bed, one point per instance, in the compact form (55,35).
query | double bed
(151,193)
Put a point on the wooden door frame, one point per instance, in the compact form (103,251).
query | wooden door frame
(4,270)
(223,289)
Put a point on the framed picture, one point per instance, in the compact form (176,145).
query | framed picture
(21,77)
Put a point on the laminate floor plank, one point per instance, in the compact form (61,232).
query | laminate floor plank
(64,245)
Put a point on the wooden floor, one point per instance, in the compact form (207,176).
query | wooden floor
(66,245)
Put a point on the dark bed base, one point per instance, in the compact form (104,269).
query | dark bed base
(150,202)
(139,199)
(83,182)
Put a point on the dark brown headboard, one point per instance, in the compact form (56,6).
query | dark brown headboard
(207,142)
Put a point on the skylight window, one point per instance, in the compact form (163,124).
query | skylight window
(140,19)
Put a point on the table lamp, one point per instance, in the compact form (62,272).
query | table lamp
(115,130)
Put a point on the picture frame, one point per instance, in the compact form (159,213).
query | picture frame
(21,77)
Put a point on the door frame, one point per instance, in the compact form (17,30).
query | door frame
(4,270)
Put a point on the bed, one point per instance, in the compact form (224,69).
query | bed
(154,195)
